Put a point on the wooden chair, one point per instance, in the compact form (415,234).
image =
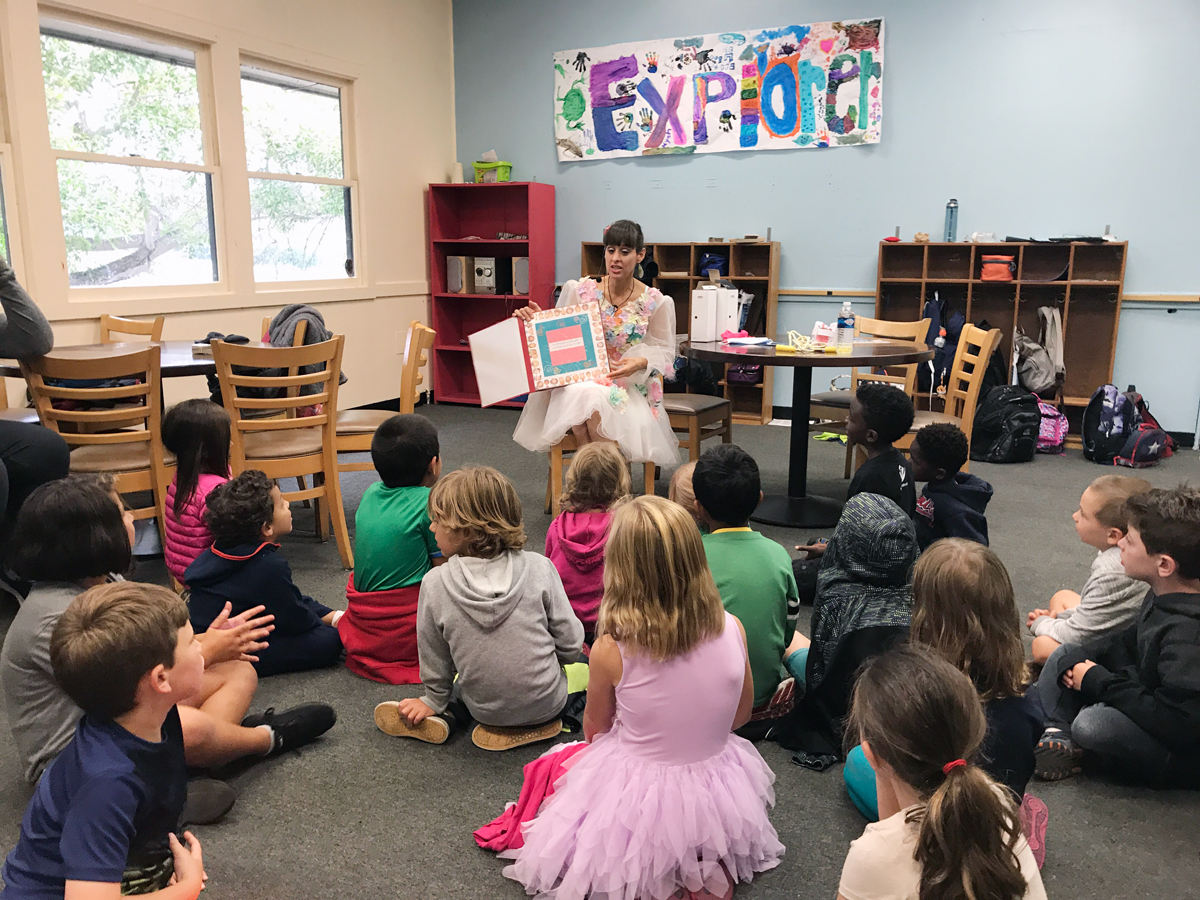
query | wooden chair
(289,447)
(356,427)
(835,405)
(975,348)
(132,455)
(27,414)
(560,457)
(110,325)
(699,417)
(297,341)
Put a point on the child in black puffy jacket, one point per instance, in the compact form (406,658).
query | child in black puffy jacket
(952,504)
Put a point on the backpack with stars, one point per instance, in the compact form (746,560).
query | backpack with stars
(1145,447)
(1108,422)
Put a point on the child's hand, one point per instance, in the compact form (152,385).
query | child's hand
(1036,614)
(189,863)
(415,711)
(1073,677)
(815,551)
(238,638)
(525,313)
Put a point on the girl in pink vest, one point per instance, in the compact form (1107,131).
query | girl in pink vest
(197,432)
(597,480)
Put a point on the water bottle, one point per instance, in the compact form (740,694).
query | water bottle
(845,329)
(951,221)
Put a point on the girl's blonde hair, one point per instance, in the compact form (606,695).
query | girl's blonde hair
(481,505)
(597,478)
(965,609)
(681,491)
(659,594)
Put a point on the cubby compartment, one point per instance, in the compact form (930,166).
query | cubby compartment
(456,379)
(901,261)
(1034,296)
(674,260)
(455,318)
(1098,262)
(750,261)
(995,304)
(755,319)
(466,212)
(592,261)
(982,250)
(700,251)
(1091,322)
(746,399)
(1045,262)
(900,302)
(948,261)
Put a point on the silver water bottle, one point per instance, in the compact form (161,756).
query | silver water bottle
(951,221)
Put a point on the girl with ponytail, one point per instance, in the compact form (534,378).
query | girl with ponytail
(947,831)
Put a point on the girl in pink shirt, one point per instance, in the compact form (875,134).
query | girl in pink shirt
(197,432)
(597,480)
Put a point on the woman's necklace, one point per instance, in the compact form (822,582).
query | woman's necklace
(632,284)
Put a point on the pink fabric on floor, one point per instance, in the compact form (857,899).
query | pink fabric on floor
(504,832)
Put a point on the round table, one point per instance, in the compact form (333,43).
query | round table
(798,508)
(176,358)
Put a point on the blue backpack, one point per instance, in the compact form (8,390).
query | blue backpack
(1108,422)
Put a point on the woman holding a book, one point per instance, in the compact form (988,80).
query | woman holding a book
(639,334)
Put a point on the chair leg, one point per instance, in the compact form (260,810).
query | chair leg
(727,434)
(556,478)
(337,512)
(693,438)
(302,484)
(321,509)
(849,457)
(648,478)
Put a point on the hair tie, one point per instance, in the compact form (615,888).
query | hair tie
(953,764)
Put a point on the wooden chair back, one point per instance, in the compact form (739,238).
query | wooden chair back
(110,325)
(903,377)
(975,348)
(416,347)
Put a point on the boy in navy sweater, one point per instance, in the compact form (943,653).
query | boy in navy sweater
(953,502)
(102,821)
(247,517)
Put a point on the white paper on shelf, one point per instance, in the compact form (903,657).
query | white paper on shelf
(498,355)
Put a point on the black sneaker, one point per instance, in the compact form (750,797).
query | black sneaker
(1057,756)
(294,727)
(208,800)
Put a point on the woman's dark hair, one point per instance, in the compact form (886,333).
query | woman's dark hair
(624,233)
(918,713)
(237,510)
(197,432)
(69,530)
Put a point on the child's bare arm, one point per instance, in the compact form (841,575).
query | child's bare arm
(186,883)
(604,673)
(746,703)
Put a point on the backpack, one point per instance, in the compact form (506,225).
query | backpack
(932,312)
(1144,448)
(1108,421)
(996,373)
(1147,417)
(1052,434)
(1035,369)
(1006,426)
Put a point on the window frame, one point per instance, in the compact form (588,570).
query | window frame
(12,225)
(349,179)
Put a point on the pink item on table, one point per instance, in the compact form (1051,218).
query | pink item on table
(726,335)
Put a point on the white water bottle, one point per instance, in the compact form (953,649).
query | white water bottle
(845,329)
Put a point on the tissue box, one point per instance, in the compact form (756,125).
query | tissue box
(491,172)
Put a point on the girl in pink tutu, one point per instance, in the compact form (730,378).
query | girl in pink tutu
(665,802)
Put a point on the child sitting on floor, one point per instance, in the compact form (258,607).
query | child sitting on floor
(945,828)
(494,616)
(680,490)
(1110,599)
(197,432)
(103,818)
(753,573)
(1133,698)
(982,638)
(244,568)
(597,479)
(953,502)
(665,801)
(393,549)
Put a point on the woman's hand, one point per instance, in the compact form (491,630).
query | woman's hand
(525,313)
(628,366)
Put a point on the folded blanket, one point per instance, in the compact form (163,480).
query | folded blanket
(504,832)
(379,632)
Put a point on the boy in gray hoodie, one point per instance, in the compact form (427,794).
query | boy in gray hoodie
(496,616)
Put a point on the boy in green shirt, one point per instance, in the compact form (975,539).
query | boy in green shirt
(393,549)
(753,573)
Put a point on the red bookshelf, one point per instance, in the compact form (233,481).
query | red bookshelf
(464,220)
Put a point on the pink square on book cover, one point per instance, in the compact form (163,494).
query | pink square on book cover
(566,345)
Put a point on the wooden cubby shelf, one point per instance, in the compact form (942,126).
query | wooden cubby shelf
(753,268)
(1084,280)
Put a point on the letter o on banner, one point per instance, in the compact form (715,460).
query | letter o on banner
(780,81)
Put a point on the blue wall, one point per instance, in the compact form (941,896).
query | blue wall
(1042,117)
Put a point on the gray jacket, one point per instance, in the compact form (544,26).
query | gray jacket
(506,636)
(282,333)
(24,331)
(1109,602)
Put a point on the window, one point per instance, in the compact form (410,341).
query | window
(300,198)
(125,125)
(4,245)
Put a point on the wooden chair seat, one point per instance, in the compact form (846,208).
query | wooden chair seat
(278,444)
(693,404)
(925,417)
(361,421)
(115,458)
(698,417)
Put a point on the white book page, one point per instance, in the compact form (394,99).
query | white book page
(498,354)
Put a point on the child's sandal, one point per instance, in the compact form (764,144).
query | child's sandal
(496,737)
(431,730)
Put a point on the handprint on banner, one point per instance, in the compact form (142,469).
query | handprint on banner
(581,61)
(646,121)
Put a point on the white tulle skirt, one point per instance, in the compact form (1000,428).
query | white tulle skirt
(640,428)
(620,827)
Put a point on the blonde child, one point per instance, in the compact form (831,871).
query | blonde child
(597,480)
(494,626)
(1110,599)
(666,801)
(680,490)
(946,829)
(197,432)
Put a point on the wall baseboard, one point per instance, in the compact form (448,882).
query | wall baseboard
(393,404)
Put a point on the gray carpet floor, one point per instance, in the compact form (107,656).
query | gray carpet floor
(359,814)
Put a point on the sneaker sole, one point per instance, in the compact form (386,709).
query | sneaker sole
(496,738)
(432,730)
(1055,760)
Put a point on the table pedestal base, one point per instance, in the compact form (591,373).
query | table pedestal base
(798,512)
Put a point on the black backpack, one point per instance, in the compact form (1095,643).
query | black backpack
(1109,419)
(1006,426)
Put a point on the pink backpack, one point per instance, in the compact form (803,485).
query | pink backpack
(1053,431)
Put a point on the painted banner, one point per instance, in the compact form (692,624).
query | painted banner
(817,85)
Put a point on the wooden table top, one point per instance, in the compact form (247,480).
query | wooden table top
(865,353)
(176,358)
